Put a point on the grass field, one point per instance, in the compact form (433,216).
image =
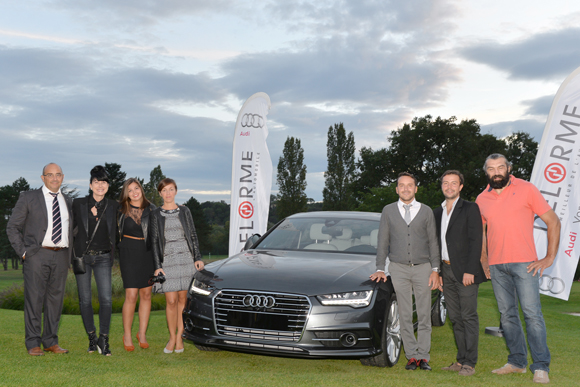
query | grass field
(152,367)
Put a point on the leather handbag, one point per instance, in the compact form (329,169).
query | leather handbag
(78,263)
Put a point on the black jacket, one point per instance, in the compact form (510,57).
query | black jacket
(81,225)
(157,225)
(464,238)
(144,223)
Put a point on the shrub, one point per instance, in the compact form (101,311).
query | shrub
(13,297)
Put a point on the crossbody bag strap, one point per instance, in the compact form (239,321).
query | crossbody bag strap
(96,227)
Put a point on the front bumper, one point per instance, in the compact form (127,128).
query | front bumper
(328,332)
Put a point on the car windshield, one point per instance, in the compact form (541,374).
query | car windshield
(324,234)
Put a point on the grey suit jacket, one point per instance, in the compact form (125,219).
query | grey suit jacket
(27,225)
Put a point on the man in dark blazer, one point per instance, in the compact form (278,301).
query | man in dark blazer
(459,231)
(40,231)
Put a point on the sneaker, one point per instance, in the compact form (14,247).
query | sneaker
(92,342)
(466,370)
(509,369)
(541,377)
(411,364)
(424,365)
(455,367)
(103,345)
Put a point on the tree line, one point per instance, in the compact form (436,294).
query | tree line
(425,147)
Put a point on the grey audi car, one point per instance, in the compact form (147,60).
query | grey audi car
(302,290)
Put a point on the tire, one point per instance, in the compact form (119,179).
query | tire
(205,348)
(439,311)
(391,342)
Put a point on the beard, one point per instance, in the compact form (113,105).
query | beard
(498,184)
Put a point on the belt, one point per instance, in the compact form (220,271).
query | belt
(97,252)
(446,262)
(132,237)
(54,248)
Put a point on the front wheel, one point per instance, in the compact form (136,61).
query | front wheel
(391,341)
(439,311)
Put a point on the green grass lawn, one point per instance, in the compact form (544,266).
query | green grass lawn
(152,367)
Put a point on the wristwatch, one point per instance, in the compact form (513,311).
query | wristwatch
(435,269)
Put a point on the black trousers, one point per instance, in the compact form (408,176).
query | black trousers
(44,280)
(462,308)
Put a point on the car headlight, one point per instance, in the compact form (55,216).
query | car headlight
(200,288)
(355,299)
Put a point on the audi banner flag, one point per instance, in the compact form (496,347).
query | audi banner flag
(251,173)
(556,174)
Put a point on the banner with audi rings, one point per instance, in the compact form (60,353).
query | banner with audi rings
(557,175)
(251,173)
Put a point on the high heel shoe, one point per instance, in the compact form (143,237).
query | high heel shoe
(180,350)
(128,348)
(103,345)
(142,345)
(166,350)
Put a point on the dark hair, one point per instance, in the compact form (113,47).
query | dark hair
(99,173)
(495,156)
(407,174)
(124,198)
(164,183)
(452,172)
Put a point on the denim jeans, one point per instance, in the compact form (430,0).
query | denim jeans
(101,265)
(511,282)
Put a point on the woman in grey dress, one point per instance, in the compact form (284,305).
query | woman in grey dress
(176,255)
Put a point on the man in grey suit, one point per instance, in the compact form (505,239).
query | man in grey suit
(40,231)
(408,236)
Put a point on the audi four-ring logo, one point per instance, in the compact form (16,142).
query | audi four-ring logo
(259,301)
(555,173)
(252,121)
(553,285)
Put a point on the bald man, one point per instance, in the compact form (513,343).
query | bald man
(40,231)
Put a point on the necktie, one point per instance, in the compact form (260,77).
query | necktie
(56,221)
(407,208)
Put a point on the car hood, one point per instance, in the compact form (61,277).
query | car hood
(308,273)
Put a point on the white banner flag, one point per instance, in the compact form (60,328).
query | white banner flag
(251,173)
(556,174)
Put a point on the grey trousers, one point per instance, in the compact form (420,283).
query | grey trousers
(409,280)
(462,308)
(44,280)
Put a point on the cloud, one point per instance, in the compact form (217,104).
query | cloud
(502,129)
(141,12)
(549,55)
(539,106)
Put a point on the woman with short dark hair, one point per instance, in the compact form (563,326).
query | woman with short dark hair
(136,260)
(95,229)
(176,255)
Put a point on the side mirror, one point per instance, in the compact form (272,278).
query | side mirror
(251,241)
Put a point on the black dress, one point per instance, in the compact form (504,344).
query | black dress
(135,260)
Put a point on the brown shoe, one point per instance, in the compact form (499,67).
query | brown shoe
(466,370)
(36,351)
(456,367)
(56,349)
(509,369)
(541,377)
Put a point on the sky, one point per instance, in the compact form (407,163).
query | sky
(144,83)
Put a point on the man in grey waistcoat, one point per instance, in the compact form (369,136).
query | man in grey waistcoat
(408,237)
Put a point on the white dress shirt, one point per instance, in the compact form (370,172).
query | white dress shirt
(414,209)
(48,198)
(444,224)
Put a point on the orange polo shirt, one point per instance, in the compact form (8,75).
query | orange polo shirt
(509,217)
